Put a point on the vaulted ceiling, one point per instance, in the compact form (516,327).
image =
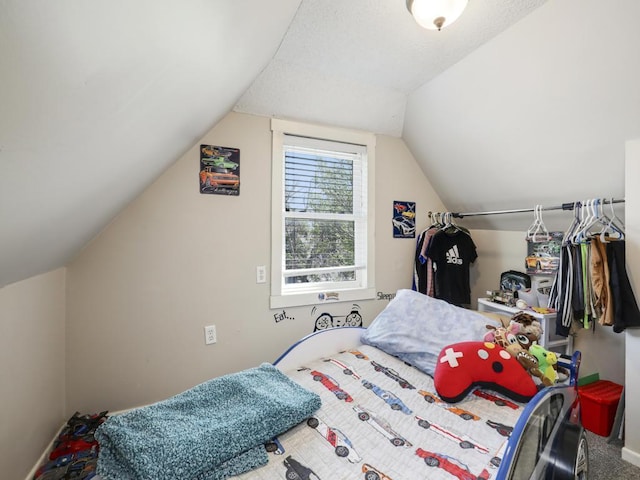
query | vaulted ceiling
(517,103)
(354,63)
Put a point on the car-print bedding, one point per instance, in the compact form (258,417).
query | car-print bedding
(392,425)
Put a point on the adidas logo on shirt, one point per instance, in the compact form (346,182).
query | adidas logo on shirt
(453,256)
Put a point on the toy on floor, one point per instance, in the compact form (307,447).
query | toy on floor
(75,451)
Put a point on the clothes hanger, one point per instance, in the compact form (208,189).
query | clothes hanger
(597,216)
(534,225)
(601,218)
(568,235)
(590,218)
(453,226)
(620,225)
(447,221)
(433,216)
(538,232)
(612,227)
(542,229)
(432,219)
(434,223)
(584,214)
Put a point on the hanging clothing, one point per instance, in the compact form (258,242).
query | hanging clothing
(452,253)
(562,293)
(625,307)
(423,274)
(600,282)
(577,296)
(592,285)
(430,286)
(421,271)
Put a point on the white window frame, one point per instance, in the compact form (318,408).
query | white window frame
(289,296)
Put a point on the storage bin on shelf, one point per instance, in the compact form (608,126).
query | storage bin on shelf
(599,402)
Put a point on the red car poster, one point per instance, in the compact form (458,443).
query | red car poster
(219,170)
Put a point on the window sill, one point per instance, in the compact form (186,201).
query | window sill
(315,298)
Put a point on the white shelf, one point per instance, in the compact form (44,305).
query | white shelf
(549,340)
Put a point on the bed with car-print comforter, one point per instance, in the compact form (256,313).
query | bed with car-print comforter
(382,417)
(397,400)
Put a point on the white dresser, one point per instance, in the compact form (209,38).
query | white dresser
(549,340)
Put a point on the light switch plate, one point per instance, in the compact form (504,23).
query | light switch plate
(261,274)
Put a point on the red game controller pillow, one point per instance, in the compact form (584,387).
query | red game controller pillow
(466,365)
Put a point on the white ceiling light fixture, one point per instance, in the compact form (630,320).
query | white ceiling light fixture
(436,14)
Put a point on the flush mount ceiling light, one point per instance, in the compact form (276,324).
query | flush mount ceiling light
(436,14)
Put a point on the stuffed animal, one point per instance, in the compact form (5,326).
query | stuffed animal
(497,335)
(509,337)
(517,343)
(546,361)
(530,363)
(529,326)
(520,338)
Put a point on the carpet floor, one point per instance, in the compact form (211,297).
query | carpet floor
(605,461)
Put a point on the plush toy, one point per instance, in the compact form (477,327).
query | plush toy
(530,363)
(529,326)
(463,366)
(546,361)
(496,335)
(510,337)
(516,338)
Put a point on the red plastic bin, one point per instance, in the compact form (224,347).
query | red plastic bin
(599,402)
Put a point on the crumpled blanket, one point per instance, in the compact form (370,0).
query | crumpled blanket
(210,432)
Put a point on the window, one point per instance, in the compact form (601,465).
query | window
(322,223)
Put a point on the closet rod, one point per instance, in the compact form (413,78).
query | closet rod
(564,206)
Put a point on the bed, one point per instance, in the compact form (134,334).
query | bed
(376,409)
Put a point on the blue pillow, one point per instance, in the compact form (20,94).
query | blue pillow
(415,328)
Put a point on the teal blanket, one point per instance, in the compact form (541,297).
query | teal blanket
(210,432)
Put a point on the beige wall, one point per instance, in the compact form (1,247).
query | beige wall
(631,451)
(175,260)
(32,369)
(497,252)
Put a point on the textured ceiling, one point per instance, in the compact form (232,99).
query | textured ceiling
(516,104)
(353,63)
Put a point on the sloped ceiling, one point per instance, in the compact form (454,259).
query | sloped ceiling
(353,63)
(539,115)
(99,97)
(501,109)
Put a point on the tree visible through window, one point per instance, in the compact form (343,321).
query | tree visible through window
(319,217)
(322,227)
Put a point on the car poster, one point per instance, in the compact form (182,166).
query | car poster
(404,219)
(219,170)
(544,257)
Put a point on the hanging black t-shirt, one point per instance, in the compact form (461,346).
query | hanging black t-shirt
(452,254)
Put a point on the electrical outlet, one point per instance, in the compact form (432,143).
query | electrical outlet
(261,274)
(210,335)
